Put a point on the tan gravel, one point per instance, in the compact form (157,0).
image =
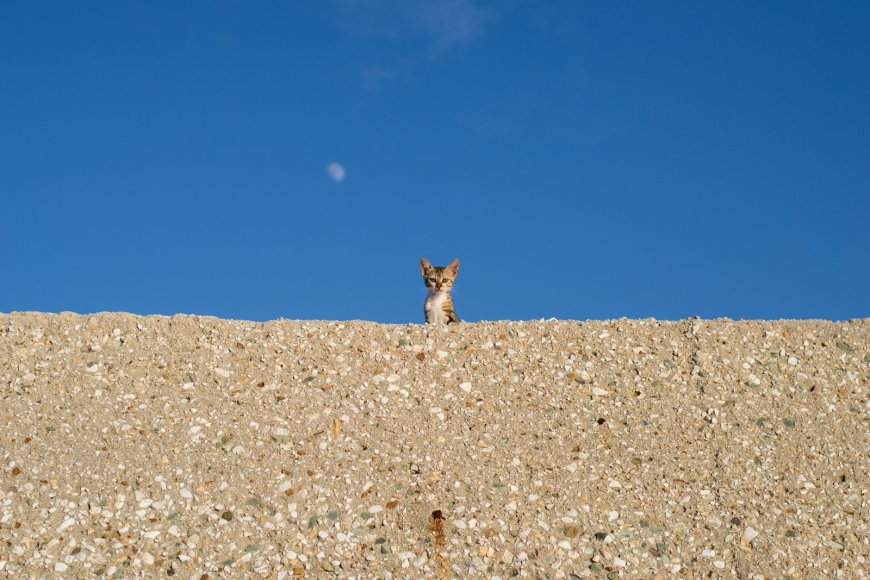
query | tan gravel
(149,446)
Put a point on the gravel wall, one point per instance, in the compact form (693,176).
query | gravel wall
(201,447)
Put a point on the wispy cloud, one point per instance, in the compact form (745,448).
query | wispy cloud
(449,23)
(376,77)
(443,25)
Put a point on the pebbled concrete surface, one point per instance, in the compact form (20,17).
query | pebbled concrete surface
(199,447)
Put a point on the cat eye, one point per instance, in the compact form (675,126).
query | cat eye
(432,280)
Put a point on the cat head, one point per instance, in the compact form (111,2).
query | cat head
(439,278)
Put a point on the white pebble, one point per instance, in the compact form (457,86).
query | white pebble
(186,493)
(465,387)
(749,534)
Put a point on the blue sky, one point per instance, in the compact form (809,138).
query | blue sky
(582,159)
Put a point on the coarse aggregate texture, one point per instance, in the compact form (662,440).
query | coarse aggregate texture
(202,448)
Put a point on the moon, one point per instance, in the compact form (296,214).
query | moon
(336,172)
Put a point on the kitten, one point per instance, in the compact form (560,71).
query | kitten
(439,280)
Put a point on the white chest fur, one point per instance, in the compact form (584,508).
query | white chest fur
(434,307)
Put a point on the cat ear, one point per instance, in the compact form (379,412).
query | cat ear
(454,266)
(425,265)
